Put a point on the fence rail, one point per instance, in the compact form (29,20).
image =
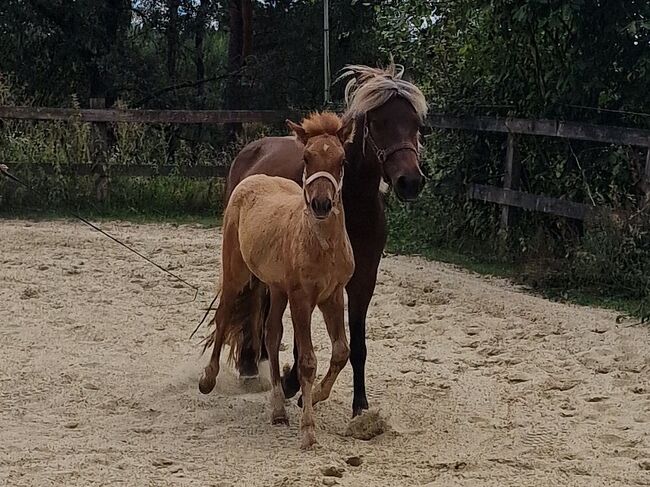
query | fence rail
(144,116)
(546,128)
(129,170)
(509,196)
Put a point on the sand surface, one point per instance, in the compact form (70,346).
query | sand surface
(478,382)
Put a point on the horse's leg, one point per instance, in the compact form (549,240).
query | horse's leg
(252,344)
(290,383)
(333,313)
(360,290)
(273,339)
(301,313)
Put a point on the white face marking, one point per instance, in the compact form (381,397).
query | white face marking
(325,147)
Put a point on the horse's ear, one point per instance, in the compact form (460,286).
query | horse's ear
(346,132)
(298,130)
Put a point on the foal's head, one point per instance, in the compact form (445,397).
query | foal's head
(323,135)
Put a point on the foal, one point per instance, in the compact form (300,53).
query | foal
(293,240)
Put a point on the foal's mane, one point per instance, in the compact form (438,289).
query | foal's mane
(369,88)
(321,123)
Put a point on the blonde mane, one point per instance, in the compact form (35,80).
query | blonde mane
(323,123)
(369,88)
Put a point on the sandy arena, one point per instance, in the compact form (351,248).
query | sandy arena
(479,383)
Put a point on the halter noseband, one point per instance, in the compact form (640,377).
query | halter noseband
(318,175)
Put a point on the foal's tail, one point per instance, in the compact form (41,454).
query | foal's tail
(241,321)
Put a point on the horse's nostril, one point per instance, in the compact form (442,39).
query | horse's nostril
(327,205)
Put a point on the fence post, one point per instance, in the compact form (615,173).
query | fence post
(99,151)
(645,177)
(510,181)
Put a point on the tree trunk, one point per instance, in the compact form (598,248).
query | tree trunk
(172,63)
(199,53)
(199,62)
(172,38)
(247,28)
(235,50)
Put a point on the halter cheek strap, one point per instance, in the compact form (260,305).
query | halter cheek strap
(384,154)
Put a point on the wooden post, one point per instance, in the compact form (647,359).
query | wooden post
(99,152)
(510,181)
(645,177)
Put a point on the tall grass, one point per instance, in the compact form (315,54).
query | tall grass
(30,144)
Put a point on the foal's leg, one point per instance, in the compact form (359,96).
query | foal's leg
(333,313)
(273,338)
(301,313)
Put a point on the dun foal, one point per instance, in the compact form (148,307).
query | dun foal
(293,240)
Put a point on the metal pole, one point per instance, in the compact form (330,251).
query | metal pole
(326,49)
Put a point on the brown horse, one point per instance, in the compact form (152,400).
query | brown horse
(388,112)
(294,241)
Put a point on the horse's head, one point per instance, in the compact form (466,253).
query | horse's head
(323,135)
(389,112)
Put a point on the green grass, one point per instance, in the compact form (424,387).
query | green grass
(131,215)
(518,272)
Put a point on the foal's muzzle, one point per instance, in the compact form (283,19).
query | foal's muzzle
(321,207)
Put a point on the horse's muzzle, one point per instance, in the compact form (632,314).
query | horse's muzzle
(407,188)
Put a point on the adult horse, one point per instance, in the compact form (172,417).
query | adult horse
(388,113)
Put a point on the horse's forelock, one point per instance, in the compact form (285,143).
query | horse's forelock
(369,88)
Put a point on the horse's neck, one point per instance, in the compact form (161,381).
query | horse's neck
(362,176)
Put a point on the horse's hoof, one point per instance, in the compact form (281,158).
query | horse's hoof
(308,440)
(358,409)
(206,384)
(290,387)
(248,370)
(280,420)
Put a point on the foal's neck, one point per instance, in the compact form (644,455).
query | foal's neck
(329,232)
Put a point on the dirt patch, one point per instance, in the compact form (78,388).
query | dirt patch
(482,384)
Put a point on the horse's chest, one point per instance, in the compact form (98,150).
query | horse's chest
(328,272)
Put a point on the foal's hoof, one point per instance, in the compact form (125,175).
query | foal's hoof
(206,384)
(280,419)
(308,440)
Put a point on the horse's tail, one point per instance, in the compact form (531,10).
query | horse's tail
(243,325)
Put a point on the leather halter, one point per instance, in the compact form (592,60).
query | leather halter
(318,175)
(384,154)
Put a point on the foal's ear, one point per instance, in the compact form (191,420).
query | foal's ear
(298,130)
(346,132)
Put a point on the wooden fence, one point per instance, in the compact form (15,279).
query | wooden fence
(508,196)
